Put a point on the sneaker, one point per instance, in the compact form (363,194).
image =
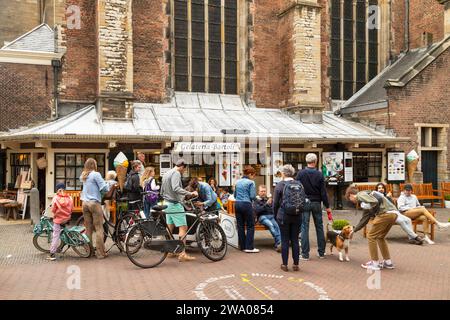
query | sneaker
(371,265)
(251,250)
(417,240)
(443,225)
(385,265)
(51,257)
(321,256)
(278,248)
(184,257)
(302,258)
(428,240)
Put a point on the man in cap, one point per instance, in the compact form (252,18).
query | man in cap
(173,193)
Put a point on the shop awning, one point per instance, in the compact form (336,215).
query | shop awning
(195,115)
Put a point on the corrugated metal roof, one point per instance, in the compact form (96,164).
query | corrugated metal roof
(41,39)
(171,121)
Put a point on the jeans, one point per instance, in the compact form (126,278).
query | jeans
(147,207)
(269,222)
(290,229)
(405,223)
(314,209)
(244,218)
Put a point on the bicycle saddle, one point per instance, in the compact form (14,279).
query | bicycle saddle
(159,208)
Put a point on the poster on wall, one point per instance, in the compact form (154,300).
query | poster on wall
(277,164)
(164,163)
(348,166)
(224,170)
(333,167)
(235,168)
(396,166)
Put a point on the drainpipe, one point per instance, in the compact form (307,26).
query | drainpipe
(407,25)
(56,64)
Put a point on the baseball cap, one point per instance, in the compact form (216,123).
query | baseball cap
(60,186)
(181,163)
(408,187)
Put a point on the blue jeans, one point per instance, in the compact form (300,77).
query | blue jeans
(244,218)
(314,209)
(269,222)
(290,229)
(147,207)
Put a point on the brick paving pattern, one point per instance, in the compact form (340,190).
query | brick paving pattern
(421,272)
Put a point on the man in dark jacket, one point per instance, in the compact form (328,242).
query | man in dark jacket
(133,185)
(314,184)
(264,215)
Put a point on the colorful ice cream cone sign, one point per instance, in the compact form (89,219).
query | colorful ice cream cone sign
(412,160)
(121,165)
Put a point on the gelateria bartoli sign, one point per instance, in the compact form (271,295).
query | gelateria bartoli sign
(207,147)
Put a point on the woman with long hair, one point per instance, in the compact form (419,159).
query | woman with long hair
(245,193)
(91,195)
(148,183)
(213,183)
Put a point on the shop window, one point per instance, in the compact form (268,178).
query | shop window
(297,159)
(367,166)
(354,48)
(204,60)
(19,162)
(69,166)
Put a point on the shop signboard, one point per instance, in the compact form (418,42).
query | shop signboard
(396,167)
(333,167)
(224,170)
(277,164)
(207,147)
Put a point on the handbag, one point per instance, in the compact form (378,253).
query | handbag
(110,195)
(28,183)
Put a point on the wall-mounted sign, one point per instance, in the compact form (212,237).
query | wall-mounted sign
(396,166)
(333,167)
(235,168)
(277,164)
(348,166)
(224,170)
(233,147)
(165,163)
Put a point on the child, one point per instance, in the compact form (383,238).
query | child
(110,179)
(62,205)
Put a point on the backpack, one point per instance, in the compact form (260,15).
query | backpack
(129,182)
(153,196)
(294,198)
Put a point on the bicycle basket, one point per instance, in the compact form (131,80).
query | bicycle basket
(154,228)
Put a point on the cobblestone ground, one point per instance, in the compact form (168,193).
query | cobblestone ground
(422,272)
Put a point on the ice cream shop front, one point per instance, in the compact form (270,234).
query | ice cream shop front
(215,135)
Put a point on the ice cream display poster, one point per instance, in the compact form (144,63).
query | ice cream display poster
(333,167)
(396,166)
(277,164)
(235,167)
(224,170)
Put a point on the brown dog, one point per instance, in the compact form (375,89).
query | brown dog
(340,240)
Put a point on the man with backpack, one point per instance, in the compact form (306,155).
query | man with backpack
(288,204)
(314,184)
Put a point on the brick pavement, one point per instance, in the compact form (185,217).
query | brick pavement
(421,273)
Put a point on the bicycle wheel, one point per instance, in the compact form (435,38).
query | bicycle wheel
(123,225)
(43,241)
(79,244)
(212,240)
(142,250)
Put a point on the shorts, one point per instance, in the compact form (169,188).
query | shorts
(178,219)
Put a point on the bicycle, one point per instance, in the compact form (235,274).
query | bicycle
(73,237)
(150,240)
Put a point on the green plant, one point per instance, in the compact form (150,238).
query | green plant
(447,197)
(339,224)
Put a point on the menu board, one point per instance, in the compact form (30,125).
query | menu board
(224,170)
(396,166)
(164,163)
(235,168)
(277,164)
(333,167)
(348,166)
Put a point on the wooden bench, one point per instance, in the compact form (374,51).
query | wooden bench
(232,212)
(78,205)
(415,223)
(445,188)
(425,191)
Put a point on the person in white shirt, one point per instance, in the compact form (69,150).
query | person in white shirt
(409,205)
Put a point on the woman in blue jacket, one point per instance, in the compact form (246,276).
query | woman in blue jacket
(244,194)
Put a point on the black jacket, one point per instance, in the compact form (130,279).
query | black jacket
(133,186)
(261,207)
(314,184)
(278,210)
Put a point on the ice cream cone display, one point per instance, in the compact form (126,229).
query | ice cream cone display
(412,159)
(121,165)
